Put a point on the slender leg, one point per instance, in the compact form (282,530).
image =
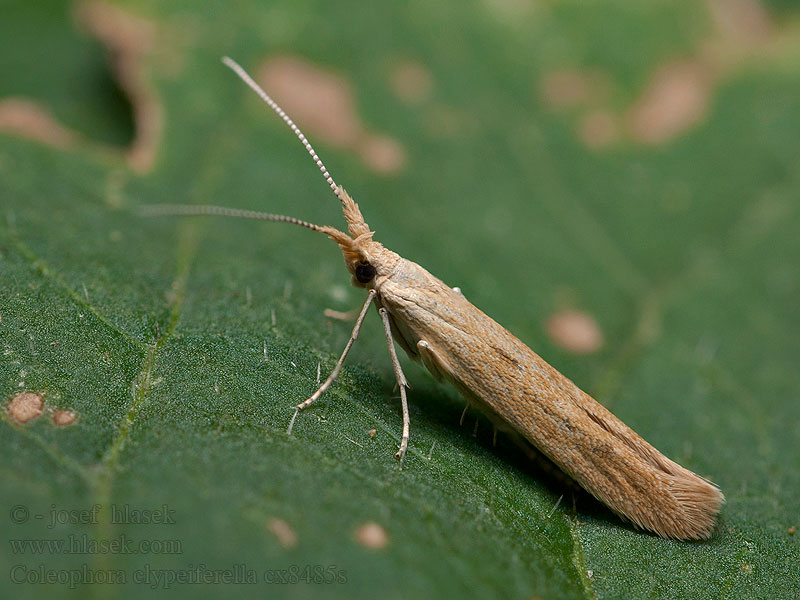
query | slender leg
(463,414)
(335,373)
(401,381)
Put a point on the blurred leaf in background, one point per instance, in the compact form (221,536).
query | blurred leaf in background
(616,183)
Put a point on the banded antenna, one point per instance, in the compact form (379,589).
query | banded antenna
(193,210)
(237,68)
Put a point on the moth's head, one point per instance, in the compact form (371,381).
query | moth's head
(366,259)
(363,256)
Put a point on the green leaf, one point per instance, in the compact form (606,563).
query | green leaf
(182,345)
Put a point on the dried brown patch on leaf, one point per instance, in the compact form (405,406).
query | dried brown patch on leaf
(742,29)
(321,102)
(63,418)
(568,88)
(411,82)
(383,154)
(29,119)
(575,331)
(598,128)
(129,39)
(675,100)
(323,105)
(743,22)
(371,535)
(283,532)
(25,407)
(678,95)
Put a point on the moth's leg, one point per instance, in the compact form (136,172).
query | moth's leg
(401,381)
(438,368)
(541,460)
(335,373)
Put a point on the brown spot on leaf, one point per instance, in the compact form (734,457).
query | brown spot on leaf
(318,100)
(63,418)
(575,331)
(323,106)
(371,535)
(744,22)
(283,531)
(28,118)
(741,28)
(598,129)
(129,39)
(678,95)
(411,82)
(675,100)
(383,154)
(568,88)
(25,407)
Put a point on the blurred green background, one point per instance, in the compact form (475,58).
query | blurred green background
(614,182)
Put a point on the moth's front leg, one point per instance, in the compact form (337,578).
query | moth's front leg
(335,373)
(401,382)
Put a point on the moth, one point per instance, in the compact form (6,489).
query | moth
(512,385)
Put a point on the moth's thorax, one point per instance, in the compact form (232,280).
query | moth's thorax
(402,274)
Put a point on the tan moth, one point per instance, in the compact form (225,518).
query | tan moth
(516,389)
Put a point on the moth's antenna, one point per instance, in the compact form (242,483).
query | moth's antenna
(192,210)
(286,119)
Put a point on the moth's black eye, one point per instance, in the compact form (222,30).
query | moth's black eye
(365,272)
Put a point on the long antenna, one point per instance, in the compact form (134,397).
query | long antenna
(192,210)
(229,62)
